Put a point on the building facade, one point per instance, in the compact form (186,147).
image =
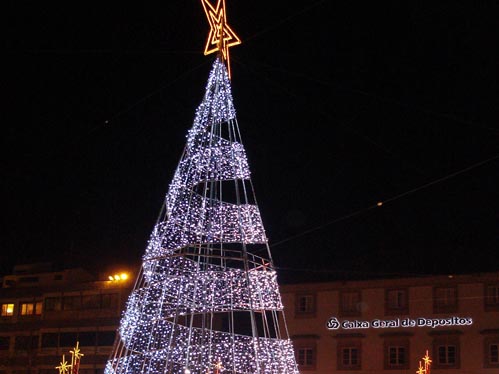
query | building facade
(44,313)
(362,327)
(386,326)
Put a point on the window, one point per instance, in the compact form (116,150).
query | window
(26,343)
(350,357)
(67,339)
(445,299)
(90,301)
(87,338)
(350,303)
(71,302)
(306,357)
(28,280)
(305,304)
(7,310)
(396,356)
(396,301)
(4,343)
(349,354)
(31,309)
(53,304)
(305,351)
(106,337)
(492,297)
(446,352)
(447,355)
(491,352)
(109,301)
(396,353)
(494,354)
(50,340)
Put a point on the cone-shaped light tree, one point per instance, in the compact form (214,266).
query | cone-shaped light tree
(207,299)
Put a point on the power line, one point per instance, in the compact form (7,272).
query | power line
(384,202)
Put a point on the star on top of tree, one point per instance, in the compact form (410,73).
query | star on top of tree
(221,36)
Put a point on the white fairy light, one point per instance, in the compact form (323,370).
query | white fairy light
(198,270)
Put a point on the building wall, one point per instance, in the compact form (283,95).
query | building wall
(455,348)
(43,315)
(73,306)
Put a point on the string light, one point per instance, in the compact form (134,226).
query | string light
(198,271)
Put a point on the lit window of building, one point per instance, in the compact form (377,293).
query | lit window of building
(31,309)
(7,310)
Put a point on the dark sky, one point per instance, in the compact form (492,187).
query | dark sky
(340,104)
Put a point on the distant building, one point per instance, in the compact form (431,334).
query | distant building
(386,326)
(379,326)
(44,313)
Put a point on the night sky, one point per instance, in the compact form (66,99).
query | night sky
(341,105)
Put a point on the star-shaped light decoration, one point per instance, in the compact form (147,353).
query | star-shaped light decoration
(76,352)
(427,363)
(421,369)
(221,36)
(64,368)
(75,359)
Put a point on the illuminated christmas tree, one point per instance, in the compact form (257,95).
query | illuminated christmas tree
(207,298)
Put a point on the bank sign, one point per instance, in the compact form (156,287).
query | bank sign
(335,324)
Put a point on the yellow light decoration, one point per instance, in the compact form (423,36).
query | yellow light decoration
(64,368)
(421,370)
(76,356)
(221,36)
(427,363)
(76,353)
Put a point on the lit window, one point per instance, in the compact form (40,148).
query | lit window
(31,309)
(305,304)
(350,303)
(445,299)
(306,357)
(7,310)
